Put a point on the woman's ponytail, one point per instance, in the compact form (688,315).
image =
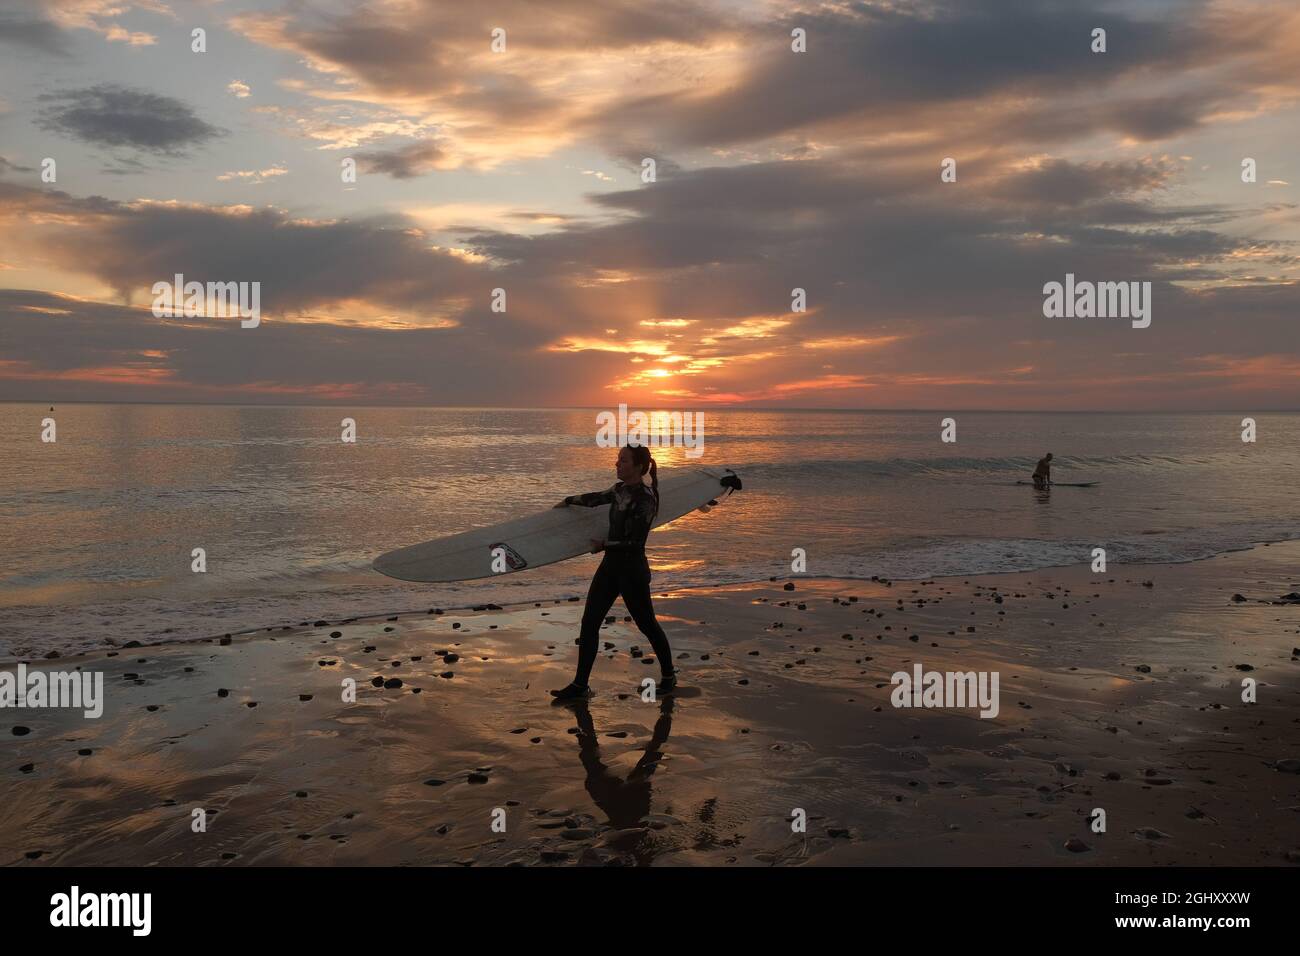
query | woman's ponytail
(642,458)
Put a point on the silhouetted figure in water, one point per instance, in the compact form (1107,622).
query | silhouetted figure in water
(1043,473)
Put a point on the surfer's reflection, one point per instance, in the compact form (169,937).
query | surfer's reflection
(626,801)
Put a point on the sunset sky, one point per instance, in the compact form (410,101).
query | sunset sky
(522,170)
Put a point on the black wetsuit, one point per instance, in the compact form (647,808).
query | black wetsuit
(624,571)
(1042,474)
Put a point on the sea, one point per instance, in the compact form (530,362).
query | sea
(99,528)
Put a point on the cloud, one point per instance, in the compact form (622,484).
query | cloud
(9,166)
(433,60)
(777,171)
(31,33)
(336,126)
(301,263)
(239,88)
(405,162)
(118,116)
(252,177)
(61,346)
(99,16)
(1014,69)
(697,76)
(117,34)
(1055,181)
(472,217)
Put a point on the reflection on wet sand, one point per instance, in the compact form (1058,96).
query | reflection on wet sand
(625,800)
(1120,691)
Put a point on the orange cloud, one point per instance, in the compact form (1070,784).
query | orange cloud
(852,342)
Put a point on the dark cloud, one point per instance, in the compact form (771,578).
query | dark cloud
(58,343)
(1065,183)
(878,65)
(706,244)
(125,166)
(1144,119)
(31,33)
(406,162)
(839,224)
(300,264)
(7,166)
(888,253)
(421,50)
(960,72)
(1121,212)
(18,201)
(631,156)
(118,116)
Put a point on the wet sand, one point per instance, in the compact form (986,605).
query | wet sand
(1114,694)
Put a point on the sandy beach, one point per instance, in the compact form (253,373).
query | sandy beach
(1119,691)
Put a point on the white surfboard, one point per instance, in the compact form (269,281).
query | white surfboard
(1066,484)
(539,539)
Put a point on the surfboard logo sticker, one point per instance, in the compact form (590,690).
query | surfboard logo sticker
(513,557)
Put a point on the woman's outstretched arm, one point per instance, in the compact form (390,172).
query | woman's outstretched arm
(591,499)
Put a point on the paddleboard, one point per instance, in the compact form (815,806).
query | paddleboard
(555,534)
(1065,484)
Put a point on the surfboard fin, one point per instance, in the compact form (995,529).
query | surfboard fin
(731,481)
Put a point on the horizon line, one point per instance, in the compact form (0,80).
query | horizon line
(738,408)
